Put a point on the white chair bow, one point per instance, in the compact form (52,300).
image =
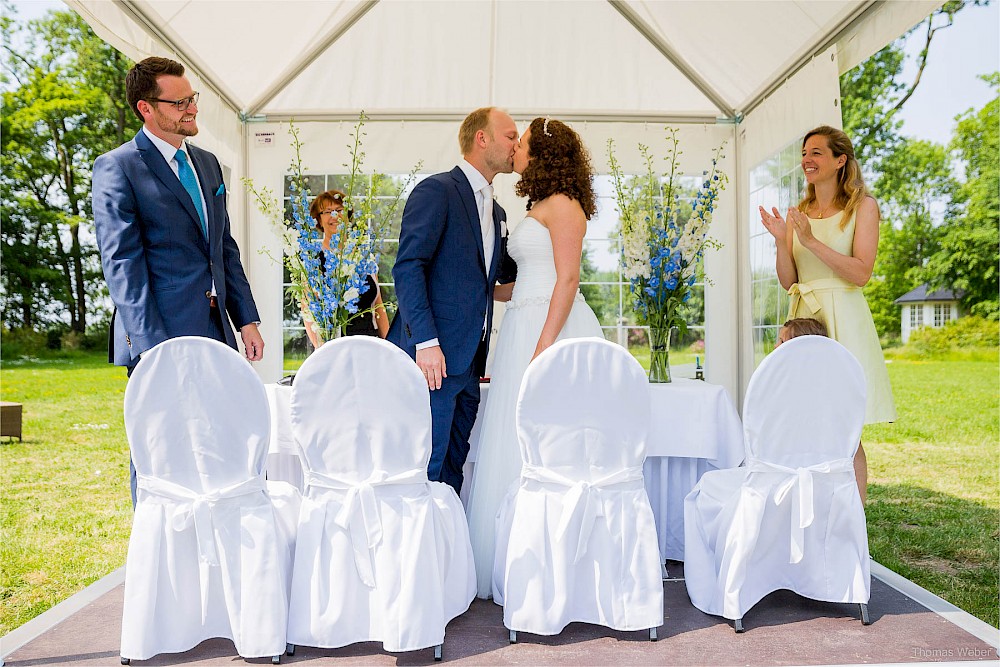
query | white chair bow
(582,498)
(359,511)
(800,485)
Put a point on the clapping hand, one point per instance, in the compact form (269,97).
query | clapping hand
(774,224)
(800,223)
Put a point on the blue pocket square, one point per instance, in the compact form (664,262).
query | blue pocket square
(221,190)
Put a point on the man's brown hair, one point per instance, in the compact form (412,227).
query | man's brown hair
(140,82)
(475,121)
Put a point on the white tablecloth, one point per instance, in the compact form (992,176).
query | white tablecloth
(694,429)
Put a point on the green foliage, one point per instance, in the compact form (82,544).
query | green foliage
(64,104)
(933,229)
(970,245)
(963,333)
(916,176)
(868,93)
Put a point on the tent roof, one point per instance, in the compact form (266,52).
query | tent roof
(607,59)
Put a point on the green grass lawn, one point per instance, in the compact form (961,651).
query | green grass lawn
(65,507)
(933,512)
(933,489)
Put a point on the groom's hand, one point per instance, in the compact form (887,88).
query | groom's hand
(431,362)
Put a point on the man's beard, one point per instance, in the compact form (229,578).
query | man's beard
(175,126)
(501,164)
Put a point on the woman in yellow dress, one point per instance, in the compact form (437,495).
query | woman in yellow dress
(825,254)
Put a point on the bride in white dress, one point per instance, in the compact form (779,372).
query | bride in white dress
(545,306)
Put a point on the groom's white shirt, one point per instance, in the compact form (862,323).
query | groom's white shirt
(478,182)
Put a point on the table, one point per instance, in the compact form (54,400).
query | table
(694,428)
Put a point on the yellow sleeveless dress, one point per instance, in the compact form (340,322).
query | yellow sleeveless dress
(841,306)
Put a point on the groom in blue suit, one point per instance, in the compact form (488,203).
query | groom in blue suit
(448,262)
(170,263)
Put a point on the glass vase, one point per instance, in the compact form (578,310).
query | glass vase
(659,354)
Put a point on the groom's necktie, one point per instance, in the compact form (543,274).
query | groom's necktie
(186,175)
(486,222)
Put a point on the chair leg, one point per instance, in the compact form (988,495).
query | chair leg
(437,653)
(126,661)
(738,625)
(513,636)
(289,649)
(652,634)
(865,618)
(275,659)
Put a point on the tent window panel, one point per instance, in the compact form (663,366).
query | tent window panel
(600,276)
(776,182)
(296,345)
(916,316)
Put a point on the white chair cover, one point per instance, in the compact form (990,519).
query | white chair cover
(206,557)
(576,539)
(382,554)
(792,518)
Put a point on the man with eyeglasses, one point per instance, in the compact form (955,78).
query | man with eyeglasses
(170,262)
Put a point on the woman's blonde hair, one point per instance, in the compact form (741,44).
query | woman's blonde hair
(851,191)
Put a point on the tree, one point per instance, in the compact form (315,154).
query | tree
(65,104)
(911,179)
(872,93)
(970,244)
(916,180)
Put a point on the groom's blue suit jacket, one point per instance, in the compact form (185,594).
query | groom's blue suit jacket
(158,265)
(442,285)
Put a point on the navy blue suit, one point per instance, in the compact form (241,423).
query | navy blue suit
(444,291)
(158,265)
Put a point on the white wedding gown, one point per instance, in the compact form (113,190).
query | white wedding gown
(498,463)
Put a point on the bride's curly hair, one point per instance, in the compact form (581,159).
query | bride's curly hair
(559,164)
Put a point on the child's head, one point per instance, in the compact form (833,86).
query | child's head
(801,326)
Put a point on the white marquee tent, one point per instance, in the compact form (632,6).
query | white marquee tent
(754,73)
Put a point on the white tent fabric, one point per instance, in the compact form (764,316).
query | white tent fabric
(617,68)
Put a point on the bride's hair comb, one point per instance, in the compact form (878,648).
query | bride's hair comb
(545,127)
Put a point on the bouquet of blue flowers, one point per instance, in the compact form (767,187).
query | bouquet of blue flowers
(329,283)
(663,238)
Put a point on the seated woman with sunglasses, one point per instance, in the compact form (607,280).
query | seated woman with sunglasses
(327,209)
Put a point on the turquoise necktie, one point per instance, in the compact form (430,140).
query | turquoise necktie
(190,183)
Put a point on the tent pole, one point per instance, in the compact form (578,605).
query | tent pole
(516,114)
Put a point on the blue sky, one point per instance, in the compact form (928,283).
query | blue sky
(949,86)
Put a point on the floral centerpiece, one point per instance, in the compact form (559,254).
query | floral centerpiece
(663,238)
(330,294)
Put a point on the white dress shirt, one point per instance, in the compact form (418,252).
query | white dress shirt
(170,155)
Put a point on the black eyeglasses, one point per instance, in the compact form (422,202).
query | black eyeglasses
(182,105)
